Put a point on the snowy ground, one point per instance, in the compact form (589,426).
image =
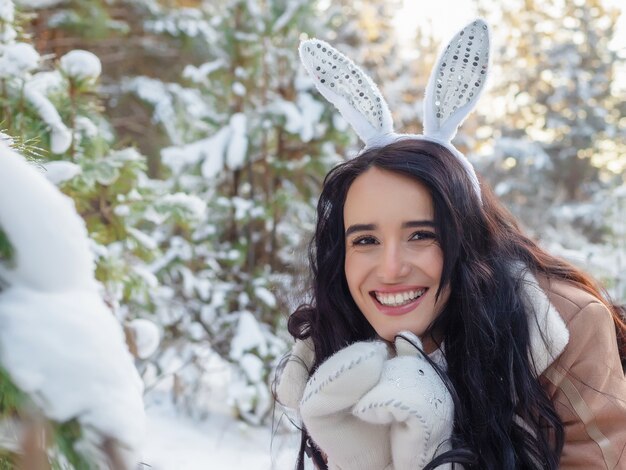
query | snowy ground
(219,442)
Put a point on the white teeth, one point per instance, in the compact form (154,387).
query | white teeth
(401,298)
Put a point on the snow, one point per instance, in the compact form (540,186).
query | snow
(227,146)
(145,240)
(7,32)
(86,126)
(67,352)
(65,242)
(183,21)
(58,340)
(249,336)
(191,204)
(209,151)
(7,11)
(150,280)
(219,442)
(146,335)
(265,296)
(238,145)
(201,74)
(58,172)
(291,113)
(253,367)
(156,93)
(239,89)
(18,59)
(45,82)
(311,111)
(61,137)
(168,99)
(81,64)
(302,117)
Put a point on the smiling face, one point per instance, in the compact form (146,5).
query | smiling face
(393,261)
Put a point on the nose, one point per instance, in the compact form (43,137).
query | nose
(393,264)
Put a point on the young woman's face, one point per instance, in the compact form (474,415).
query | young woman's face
(393,261)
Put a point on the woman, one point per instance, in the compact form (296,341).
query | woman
(504,356)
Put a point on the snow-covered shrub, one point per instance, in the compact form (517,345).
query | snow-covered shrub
(63,355)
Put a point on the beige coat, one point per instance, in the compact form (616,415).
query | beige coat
(582,373)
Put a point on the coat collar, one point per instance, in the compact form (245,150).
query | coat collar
(548,334)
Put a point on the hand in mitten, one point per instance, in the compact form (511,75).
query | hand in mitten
(295,374)
(414,400)
(326,406)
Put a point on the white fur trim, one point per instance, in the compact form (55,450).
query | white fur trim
(390,138)
(548,334)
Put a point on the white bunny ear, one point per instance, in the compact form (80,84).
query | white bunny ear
(457,81)
(350,89)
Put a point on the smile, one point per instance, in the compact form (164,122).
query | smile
(398,299)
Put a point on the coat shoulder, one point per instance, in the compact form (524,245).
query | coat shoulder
(568,299)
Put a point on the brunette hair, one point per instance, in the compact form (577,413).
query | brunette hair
(484,322)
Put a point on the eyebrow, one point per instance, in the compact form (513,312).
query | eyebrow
(369,227)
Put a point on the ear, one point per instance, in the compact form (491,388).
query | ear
(350,89)
(457,81)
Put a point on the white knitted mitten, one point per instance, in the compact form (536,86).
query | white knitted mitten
(414,400)
(330,395)
(295,375)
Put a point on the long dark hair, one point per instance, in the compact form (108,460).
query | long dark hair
(484,323)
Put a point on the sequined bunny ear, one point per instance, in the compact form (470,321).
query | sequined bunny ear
(457,81)
(350,89)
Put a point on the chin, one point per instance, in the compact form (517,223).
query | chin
(389,327)
(389,335)
(386,336)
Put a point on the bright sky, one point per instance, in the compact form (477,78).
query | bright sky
(447,16)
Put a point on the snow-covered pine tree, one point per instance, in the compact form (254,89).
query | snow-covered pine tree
(251,144)
(48,112)
(61,346)
(51,111)
(553,134)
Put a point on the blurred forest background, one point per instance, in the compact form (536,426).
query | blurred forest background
(194,146)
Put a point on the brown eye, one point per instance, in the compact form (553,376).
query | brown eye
(423,235)
(363,241)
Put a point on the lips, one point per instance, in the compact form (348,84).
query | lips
(398,302)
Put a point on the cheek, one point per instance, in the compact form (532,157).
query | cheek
(432,262)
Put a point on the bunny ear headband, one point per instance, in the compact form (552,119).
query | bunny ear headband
(453,89)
